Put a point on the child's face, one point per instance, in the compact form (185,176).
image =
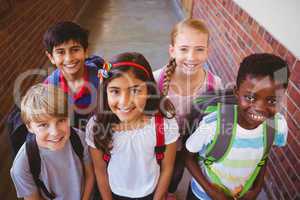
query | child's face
(258,99)
(51,132)
(190,50)
(127,97)
(69,58)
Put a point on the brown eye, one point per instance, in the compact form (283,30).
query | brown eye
(250,98)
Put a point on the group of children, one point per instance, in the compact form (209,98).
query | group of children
(133,145)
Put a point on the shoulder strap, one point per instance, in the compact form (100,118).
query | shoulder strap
(76,144)
(210,81)
(160,138)
(34,161)
(269,135)
(53,78)
(161,79)
(77,147)
(226,126)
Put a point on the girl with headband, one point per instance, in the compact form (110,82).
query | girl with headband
(132,138)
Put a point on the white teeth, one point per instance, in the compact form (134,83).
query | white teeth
(257,117)
(125,110)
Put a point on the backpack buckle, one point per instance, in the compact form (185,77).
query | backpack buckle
(106,157)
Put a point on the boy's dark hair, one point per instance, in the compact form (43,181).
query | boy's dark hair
(264,64)
(155,102)
(63,32)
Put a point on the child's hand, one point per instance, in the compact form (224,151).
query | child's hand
(219,194)
(236,191)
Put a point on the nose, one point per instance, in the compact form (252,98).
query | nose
(191,55)
(260,106)
(124,99)
(54,131)
(68,56)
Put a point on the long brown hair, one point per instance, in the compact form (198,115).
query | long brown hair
(155,103)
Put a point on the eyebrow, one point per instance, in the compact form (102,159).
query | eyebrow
(134,86)
(72,47)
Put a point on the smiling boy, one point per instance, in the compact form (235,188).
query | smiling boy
(63,171)
(66,46)
(261,82)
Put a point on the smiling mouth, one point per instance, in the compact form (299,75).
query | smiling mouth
(70,66)
(56,140)
(190,66)
(257,117)
(125,110)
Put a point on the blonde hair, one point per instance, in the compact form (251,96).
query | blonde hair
(43,100)
(195,24)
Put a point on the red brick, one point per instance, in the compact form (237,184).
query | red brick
(281,50)
(291,59)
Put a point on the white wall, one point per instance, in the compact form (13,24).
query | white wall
(281,18)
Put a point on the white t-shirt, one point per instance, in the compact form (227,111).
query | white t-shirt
(241,160)
(133,170)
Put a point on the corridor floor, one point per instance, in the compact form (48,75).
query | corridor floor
(144,26)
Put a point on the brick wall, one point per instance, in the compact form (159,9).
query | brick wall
(22,24)
(235,35)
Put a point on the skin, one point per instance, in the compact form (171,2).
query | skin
(69,58)
(190,51)
(258,98)
(127,98)
(53,133)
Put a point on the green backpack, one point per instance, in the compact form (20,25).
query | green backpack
(221,144)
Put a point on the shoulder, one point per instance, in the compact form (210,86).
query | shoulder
(217,80)
(204,134)
(281,128)
(53,78)
(20,162)
(171,130)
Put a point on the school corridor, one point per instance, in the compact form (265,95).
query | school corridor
(144,26)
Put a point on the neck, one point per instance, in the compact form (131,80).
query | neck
(187,84)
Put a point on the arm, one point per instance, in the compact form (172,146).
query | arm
(166,170)
(212,190)
(89,181)
(257,185)
(100,168)
(34,196)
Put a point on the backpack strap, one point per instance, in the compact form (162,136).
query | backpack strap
(226,129)
(34,161)
(160,147)
(161,80)
(210,82)
(222,141)
(269,134)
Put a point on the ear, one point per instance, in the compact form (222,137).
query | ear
(86,53)
(172,51)
(29,128)
(236,92)
(50,57)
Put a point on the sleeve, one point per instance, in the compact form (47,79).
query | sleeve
(89,135)
(21,175)
(171,130)
(203,135)
(86,153)
(281,131)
